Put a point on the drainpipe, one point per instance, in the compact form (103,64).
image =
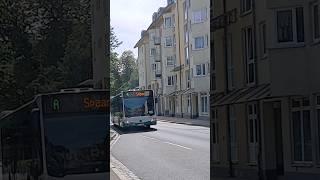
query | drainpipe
(254,19)
(180,70)
(226,87)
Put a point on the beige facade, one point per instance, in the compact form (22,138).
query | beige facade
(264,89)
(182,54)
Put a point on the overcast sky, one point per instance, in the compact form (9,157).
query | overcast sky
(129,17)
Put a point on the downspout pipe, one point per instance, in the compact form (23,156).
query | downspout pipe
(180,69)
(254,19)
(226,86)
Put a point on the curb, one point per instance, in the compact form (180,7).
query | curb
(119,169)
(185,123)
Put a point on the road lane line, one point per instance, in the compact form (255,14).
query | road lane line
(150,138)
(166,142)
(178,145)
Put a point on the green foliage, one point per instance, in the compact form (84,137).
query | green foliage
(124,72)
(44,46)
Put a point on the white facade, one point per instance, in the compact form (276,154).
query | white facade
(183,29)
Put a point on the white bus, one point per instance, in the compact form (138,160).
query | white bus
(133,108)
(57,136)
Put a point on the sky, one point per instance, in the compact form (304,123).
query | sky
(129,18)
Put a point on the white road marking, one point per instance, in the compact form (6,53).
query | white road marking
(166,142)
(178,145)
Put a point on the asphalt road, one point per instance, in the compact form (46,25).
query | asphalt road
(167,151)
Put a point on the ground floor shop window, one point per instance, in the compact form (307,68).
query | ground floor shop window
(301,129)
(253,132)
(204,103)
(215,135)
(233,133)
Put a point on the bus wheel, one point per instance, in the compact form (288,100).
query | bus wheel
(148,126)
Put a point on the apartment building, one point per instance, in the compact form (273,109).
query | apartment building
(264,89)
(179,58)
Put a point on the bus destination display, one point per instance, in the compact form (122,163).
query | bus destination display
(138,94)
(72,103)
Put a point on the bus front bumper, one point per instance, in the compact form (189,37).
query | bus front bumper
(148,123)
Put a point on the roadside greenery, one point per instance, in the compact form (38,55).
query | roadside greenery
(46,46)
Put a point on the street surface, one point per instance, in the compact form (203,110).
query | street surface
(166,151)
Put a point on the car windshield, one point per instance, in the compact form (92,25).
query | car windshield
(76,144)
(138,106)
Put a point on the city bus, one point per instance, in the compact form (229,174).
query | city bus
(133,108)
(57,136)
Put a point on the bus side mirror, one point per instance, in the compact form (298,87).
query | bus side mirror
(156,100)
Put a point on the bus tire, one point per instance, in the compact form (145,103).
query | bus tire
(148,126)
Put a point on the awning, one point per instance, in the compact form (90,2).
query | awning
(241,95)
(178,68)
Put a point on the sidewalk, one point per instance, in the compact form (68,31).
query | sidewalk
(113,175)
(193,122)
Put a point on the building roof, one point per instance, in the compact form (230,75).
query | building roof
(156,21)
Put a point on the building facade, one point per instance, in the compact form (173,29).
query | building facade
(179,58)
(264,89)
(99,25)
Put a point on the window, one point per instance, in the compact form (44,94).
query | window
(186,35)
(170,81)
(170,61)
(290,25)
(318,121)
(186,55)
(199,42)
(188,79)
(204,103)
(168,41)
(215,134)
(252,132)
(247,36)
(168,22)
(233,134)
(154,67)
(263,39)
(185,11)
(199,16)
(246,6)
(302,141)
(189,104)
(153,51)
(316,22)
(230,64)
(200,70)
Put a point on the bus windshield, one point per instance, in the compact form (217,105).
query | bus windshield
(75,144)
(138,106)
